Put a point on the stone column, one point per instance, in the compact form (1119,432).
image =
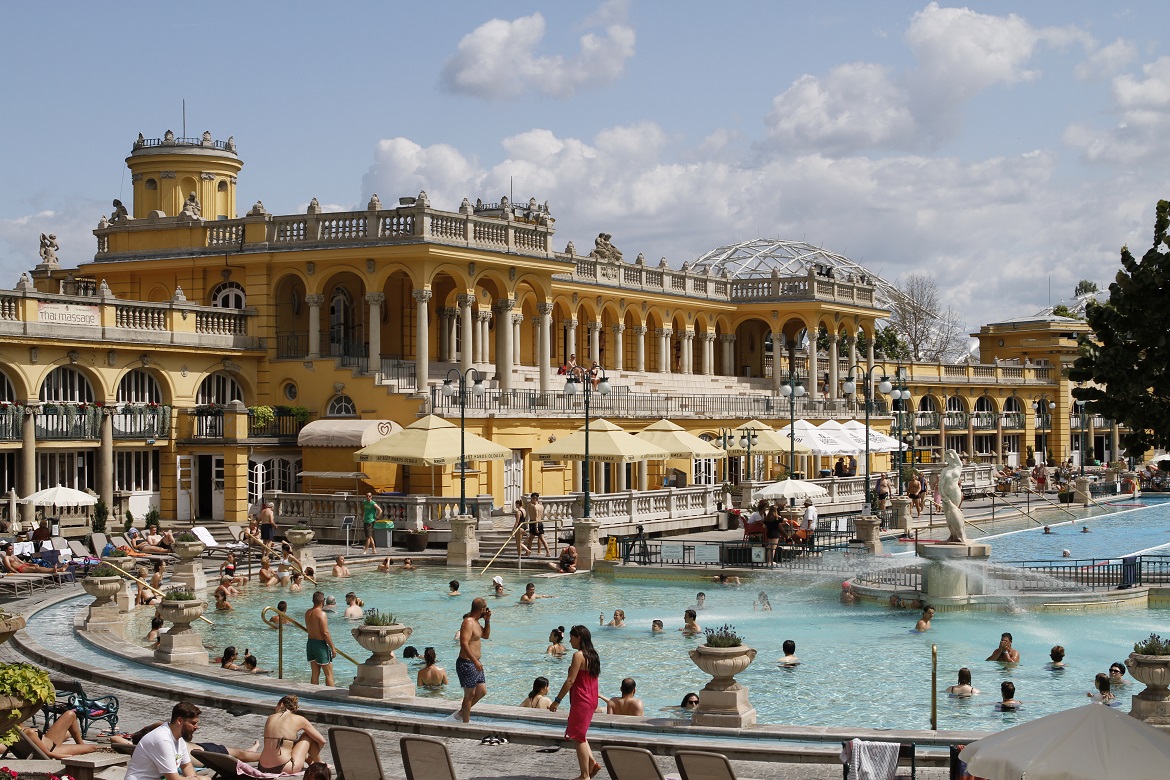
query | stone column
(453,334)
(663,350)
(443,334)
(1114,442)
(868,531)
(28,465)
(376,299)
(619,356)
(422,358)
(571,330)
(833,367)
(620,468)
(594,342)
(728,356)
(814,372)
(587,540)
(106,459)
(544,349)
(640,347)
(463,548)
(643,476)
(777,369)
(314,302)
(869,353)
(504,354)
(708,353)
(687,352)
(517,335)
(1088,453)
(485,342)
(466,356)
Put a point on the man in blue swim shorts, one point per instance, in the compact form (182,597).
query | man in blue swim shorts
(468,666)
(319,646)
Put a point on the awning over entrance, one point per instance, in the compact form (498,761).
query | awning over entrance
(345,433)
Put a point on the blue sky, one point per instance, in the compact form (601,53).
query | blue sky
(997,146)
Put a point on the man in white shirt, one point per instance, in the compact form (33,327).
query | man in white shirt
(163,752)
(808,523)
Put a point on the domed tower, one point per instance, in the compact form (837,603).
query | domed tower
(165,171)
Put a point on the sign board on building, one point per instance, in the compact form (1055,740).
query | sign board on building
(672,552)
(68,314)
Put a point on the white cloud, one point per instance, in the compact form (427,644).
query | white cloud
(1106,61)
(499,60)
(72,220)
(1143,106)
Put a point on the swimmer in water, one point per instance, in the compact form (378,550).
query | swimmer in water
(1085,529)
(847,595)
(761,603)
(656,627)
(1047,530)
(1065,554)
(1009,702)
(690,623)
(964,687)
(1057,656)
(556,639)
(619,619)
(789,659)
(923,623)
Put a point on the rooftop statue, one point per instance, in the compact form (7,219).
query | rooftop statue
(119,214)
(951,495)
(169,137)
(206,136)
(49,249)
(191,206)
(604,250)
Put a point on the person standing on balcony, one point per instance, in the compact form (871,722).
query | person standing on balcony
(371,513)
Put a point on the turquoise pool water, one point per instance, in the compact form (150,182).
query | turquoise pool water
(862,665)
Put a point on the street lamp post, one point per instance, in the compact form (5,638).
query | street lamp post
(580,381)
(1081,422)
(1043,406)
(901,393)
(792,390)
(449,390)
(850,387)
(746,439)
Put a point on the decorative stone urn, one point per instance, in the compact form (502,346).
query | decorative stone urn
(723,701)
(26,709)
(300,537)
(181,644)
(103,589)
(188,551)
(382,676)
(9,626)
(188,572)
(414,541)
(1152,704)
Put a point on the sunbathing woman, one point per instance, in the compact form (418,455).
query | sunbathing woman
(52,743)
(290,741)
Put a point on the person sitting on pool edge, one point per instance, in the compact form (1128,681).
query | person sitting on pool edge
(568,561)
(964,687)
(1007,692)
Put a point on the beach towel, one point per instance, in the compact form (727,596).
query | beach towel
(870,760)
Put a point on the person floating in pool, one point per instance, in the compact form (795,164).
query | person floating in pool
(556,640)
(762,603)
(700,602)
(847,595)
(963,688)
(923,623)
(432,675)
(619,619)
(690,701)
(1116,675)
(789,659)
(1047,530)
(1005,653)
(656,627)
(530,595)
(498,586)
(1008,701)
(1104,693)
(1085,529)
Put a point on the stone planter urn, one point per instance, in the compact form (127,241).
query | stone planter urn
(723,701)
(188,551)
(181,644)
(413,541)
(1152,704)
(103,589)
(26,709)
(382,676)
(299,537)
(123,562)
(9,626)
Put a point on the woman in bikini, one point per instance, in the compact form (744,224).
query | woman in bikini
(53,744)
(290,741)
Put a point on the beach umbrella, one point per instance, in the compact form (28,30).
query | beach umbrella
(679,443)
(820,442)
(768,441)
(878,441)
(792,489)
(430,441)
(1085,743)
(608,443)
(60,496)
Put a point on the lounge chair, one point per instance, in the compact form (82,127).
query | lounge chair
(25,748)
(424,758)
(356,755)
(630,763)
(701,765)
(71,696)
(98,541)
(221,764)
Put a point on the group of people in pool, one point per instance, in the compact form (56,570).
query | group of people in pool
(1005,653)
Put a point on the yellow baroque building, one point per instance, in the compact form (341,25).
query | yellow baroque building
(177,369)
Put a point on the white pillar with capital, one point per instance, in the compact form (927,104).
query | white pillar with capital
(777,370)
(504,346)
(517,333)
(833,365)
(466,356)
(571,331)
(619,357)
(376,299)
(708,353)
(686,352)
(814,370)
(453,334)
(422,357)
(314,302)
(595,342)
(640,347)
(544,348)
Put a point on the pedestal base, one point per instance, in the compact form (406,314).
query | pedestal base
(587,540)
(383,681)
(123,599)
(106,617)
(947,575)
(867,532)
(307,560)
(463,548)
(727,708)
(190,575)
(184,647)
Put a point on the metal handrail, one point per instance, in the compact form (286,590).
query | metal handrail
(285,617)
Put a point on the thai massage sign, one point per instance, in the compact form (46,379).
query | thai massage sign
(68,314)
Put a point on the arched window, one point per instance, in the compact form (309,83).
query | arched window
(340,320)
(955,404)
(926,404)
(66,384)
(341,406)
(229,295)
(219,388)
(277,473)
(7,393)
(139,387)
(705,472)
(984,404)
(1012,404)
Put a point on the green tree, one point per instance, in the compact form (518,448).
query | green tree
(1060,310)
(1128,358)
(887,345)
(1084,287)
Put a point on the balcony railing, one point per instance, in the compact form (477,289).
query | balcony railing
(283,425)
(399,372)
(56,422)
(292,346)
(142,421)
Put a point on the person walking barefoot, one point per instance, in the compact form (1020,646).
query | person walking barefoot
(581,685)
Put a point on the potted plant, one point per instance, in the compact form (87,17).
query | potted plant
(182,607)
(381,634)
(1149,663)
(103,583)
(722,656)
(414,541)
(187,546)
(24,689)
(1031,458)
(9,625)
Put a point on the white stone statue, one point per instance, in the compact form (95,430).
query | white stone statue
(951,495)
(120,214)
(192,206)
(49,249)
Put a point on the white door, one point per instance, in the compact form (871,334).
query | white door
(217,486)
(513,479)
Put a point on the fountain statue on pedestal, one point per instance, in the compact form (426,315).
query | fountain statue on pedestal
(951,496)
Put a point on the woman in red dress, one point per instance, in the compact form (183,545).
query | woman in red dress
(581,685)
